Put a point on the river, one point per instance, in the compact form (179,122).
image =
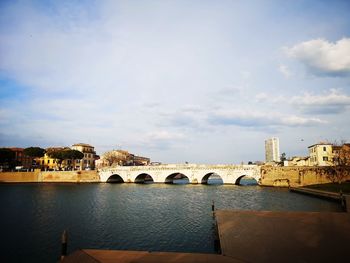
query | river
(154,217)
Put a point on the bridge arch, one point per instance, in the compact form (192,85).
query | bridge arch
(175,178)
(115,179)
(207,178)
(144,178)
(252,180)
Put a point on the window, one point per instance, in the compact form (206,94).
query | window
(48,161)
(325,158)
(324,149)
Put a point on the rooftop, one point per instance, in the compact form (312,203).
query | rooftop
(320,143)
(83,144)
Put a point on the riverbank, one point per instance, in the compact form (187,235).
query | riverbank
(332,187)
(296,176)
(340,197)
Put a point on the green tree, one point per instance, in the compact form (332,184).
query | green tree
(74,154)
(283,157)
(57,154)
(64,154)
(34,152)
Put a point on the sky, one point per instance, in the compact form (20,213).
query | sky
(176,81)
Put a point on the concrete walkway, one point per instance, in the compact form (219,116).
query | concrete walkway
(126,256)
(266,236)
(254,236)
(317,193)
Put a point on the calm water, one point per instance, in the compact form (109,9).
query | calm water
(155,217)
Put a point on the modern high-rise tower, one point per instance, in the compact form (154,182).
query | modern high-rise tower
(272,150)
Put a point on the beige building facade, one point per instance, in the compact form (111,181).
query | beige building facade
(297,161)
(88,162)
(321,154)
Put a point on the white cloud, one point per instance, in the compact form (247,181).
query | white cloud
(261,97)
(163,135)
(159,140)
(285,71)
(322,57)
(332,102)
(261,119)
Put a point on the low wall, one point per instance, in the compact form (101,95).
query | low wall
(295,176)
(19,177)
(50,177)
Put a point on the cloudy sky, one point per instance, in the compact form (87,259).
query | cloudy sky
(196,81)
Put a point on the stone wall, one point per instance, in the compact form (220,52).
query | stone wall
(50,177)
(294,176)
(19,177)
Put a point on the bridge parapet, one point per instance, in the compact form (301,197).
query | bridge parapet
(196,173)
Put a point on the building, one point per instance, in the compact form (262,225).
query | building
(88,162)
(272,150)
(22,160)
(297,161)
(48,163)
(321,154)
(121,157)
(139,160)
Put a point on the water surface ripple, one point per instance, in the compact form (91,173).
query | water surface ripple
(154,217)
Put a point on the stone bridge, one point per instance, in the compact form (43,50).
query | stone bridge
(230,174)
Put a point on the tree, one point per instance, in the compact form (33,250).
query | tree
(72,155)
(76,155)
(34,152)
(118,157)
(340,169)
(283,157)
(7,157)
(57,154)
(62,154)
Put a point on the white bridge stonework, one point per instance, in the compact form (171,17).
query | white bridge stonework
(196,173)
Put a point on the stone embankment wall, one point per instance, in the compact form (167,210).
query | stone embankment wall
(295,176)
(50,177)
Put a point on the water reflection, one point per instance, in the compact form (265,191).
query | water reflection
(154,217)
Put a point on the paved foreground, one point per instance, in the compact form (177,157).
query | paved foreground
(254,236)
(265,236)
(124,256)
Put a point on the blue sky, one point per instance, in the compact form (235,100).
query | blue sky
(196,81)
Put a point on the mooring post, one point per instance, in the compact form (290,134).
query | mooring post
(212,206)
(342,200)
(64,244)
